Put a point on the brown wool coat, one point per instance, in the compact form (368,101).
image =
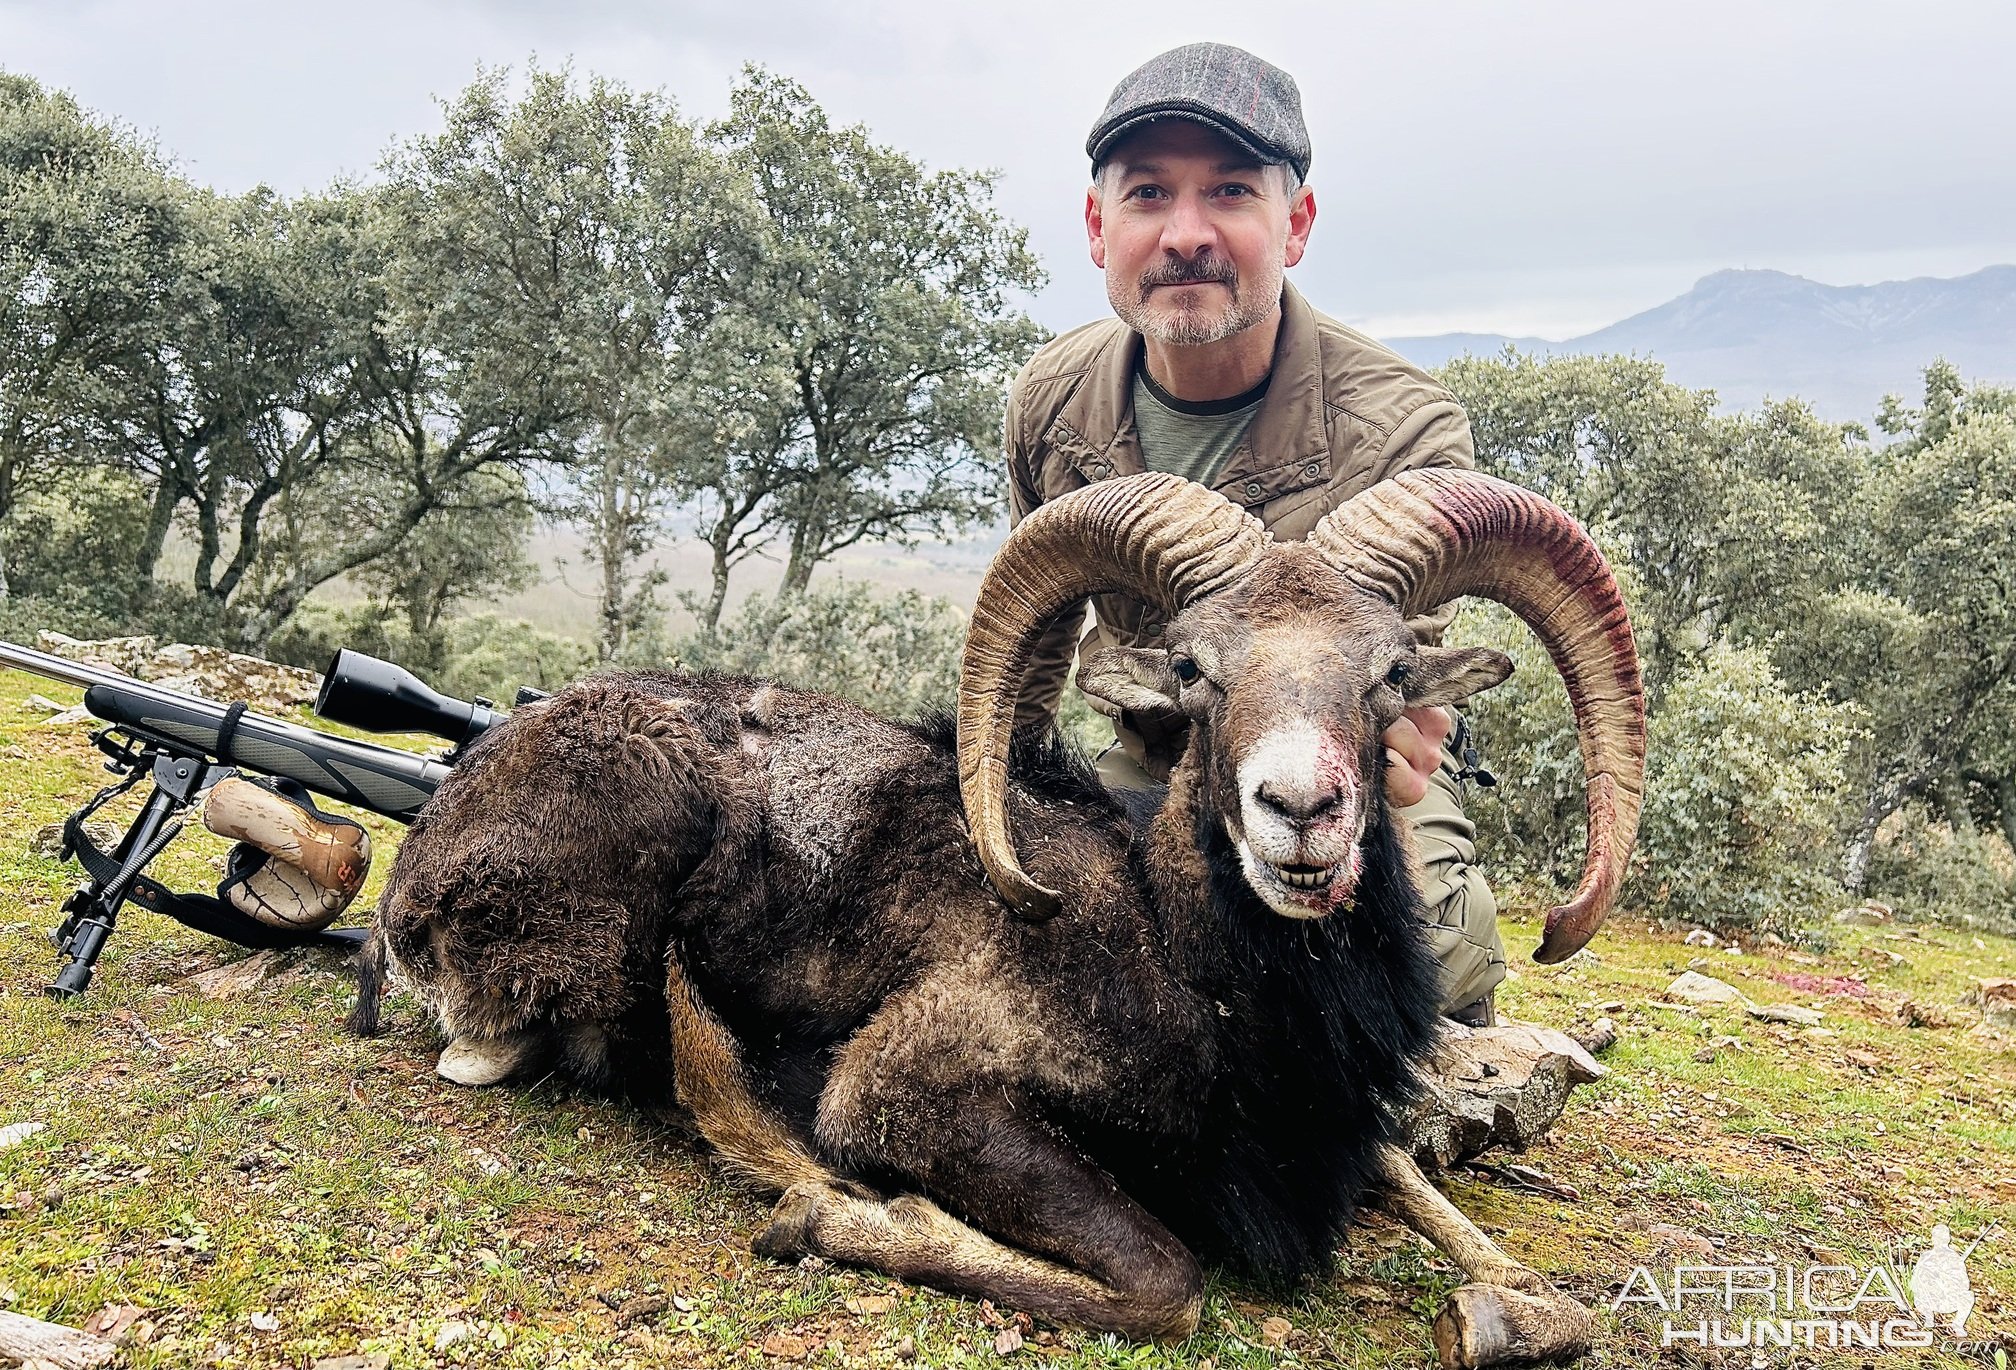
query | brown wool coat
(1341,413)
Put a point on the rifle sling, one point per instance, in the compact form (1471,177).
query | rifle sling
(212,917)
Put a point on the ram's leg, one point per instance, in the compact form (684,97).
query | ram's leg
(1507,1312)
(1060,1239)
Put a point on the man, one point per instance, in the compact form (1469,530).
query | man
(1217,370)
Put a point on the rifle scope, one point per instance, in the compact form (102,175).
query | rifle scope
(366,692)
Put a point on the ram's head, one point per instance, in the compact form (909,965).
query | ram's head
(1291,659)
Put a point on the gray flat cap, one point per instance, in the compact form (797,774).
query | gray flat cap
(1252,102)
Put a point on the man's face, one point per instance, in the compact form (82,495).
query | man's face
(1193,234)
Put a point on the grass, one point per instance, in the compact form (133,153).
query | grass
(269,1191)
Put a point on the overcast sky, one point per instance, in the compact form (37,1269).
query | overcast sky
(1532,168)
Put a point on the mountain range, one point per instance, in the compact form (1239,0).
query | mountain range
(1753,334)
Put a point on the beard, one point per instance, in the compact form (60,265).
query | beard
(1197,323)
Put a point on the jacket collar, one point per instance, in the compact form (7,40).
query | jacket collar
(1095,428)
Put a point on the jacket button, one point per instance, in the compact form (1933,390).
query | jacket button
(1100,470)
(1312,470)
(1252,489)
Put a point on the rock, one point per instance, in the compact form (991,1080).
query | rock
(1701,937)
(1998,1001)
(48,839)
(452,1333)
(1501,1085)
(234,978)
(1680,1242)
(1275,1331)
(1867,915)
(1913,1014)
(1696,988)
(16,1133)
(371,1362)
(785,1346)
(871,1305)
(44,704)
(1786,1013)
(263,1321)
(906,1348)
(1598,1037)
(1863,1060)
(210,672)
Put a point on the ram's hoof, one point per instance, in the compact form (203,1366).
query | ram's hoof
(1488,1324)
(489,1060)
(788,1235)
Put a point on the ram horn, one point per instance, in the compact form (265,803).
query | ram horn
(1158,538)
(1428,536)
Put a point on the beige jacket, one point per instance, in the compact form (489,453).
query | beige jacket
(1341,413)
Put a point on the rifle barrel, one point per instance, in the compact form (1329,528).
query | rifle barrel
(384,780)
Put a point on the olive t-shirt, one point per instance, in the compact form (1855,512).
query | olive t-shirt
(1190,438)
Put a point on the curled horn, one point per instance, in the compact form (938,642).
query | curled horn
(1158,538)
(1426,537)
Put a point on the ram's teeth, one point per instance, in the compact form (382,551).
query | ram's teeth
(1306,880)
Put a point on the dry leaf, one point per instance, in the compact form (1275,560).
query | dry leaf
(1275,1331)
(1008,1341)
(871,1305)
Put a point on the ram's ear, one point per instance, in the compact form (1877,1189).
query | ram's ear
(1130,679)
(1450,675)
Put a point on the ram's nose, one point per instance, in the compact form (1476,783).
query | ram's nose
(1299,799)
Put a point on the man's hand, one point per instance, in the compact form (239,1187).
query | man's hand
(1413,751)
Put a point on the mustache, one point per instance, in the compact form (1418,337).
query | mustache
(1202,271)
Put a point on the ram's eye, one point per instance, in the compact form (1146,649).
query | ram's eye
(1185,669)
(1396,674)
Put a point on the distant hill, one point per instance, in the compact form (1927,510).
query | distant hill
(1749,334)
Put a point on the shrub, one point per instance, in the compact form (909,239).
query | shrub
(1744,787)
(1744,796)
(896,654)
(1926,870)
(482,654)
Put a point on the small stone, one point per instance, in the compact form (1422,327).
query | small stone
(785,1346)
(1701,937)
(1696,988)
(1869,915)
(452,1333)
(263,1321)
(906,1348)
(1863,1060)
(16,1133)
(1275,1331)
(1679,1241)
(1998,1001)
(871,1305)
(1786,1013)
(375,1361)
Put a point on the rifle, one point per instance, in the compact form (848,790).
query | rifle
(187,746)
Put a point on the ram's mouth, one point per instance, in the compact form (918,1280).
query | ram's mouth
(1299,877)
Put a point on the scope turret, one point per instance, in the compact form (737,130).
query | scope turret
(366,692)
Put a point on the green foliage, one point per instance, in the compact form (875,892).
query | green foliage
(1927,870)
(1744,791)
(481,654)
(1527,825)
(896,654)
(77,543)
